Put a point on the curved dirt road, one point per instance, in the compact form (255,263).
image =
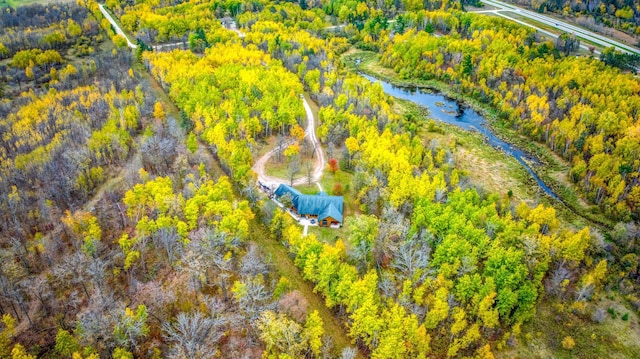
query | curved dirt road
(319,161)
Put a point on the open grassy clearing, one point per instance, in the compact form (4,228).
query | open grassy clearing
(308,188)
(279,169)
(265,145)
(615,337)
(482,164)
(328,182)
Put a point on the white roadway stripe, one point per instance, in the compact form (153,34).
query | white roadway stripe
(560,25)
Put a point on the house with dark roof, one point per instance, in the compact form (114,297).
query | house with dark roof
(327,210)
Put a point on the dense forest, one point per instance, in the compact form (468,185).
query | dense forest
(133,224)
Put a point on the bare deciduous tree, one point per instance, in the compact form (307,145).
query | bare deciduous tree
(348,353)
(412,259)
(252,263)
(294,304)
(167,239)
(194,335)
(293,168)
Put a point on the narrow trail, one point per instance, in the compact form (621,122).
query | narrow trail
(318,165)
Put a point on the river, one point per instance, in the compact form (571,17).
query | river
(450,111)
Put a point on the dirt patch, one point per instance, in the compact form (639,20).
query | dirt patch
(491,175)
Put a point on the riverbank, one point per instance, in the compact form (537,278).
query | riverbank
(552,170)
(484,165)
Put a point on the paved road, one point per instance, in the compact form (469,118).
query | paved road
(542,31)
(504,9)
(319,163)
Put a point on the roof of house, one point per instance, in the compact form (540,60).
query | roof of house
(331,211)
(284,189)
(321,204)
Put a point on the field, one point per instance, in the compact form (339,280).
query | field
(613,338)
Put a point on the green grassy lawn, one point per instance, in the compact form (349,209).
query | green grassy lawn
(328,182)
(330,235)
(281,169)
(308,188)
(275,169)
(265,145)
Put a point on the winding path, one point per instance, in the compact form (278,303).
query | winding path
(319,163)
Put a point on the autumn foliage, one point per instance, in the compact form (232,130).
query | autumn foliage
(127,232)
(333,165)
(563,102)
